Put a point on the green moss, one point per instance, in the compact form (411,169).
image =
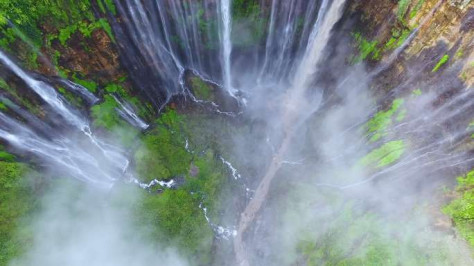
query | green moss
(201,89)
(366,49)
(440,63)
(416,8)
(387,154)
(459,53)
(105,5)
(353,238)
(65,34)
(104,114)
(162,154)
(16,201)
(397,39)
(179,221)
(6,156)
(85,28)
(27,15)
(403,6)
(377,126)
(461,209)
(416,92)
(471,127)
(88,84)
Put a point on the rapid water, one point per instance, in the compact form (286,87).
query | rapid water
(211,42)
(72,149)
(295,111)
(226,24)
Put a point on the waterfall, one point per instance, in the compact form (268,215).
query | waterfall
(161,39)
(294,113)
(75,151)
(127,113)
(47,93)
(226,41)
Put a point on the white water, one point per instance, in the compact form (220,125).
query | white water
(47,93)
(226,41)
(296,105)
(85,93)
(127,113)
(73,151)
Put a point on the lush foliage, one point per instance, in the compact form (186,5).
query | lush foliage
(248,22)
(440,63)
(379,123)
(180,221)
(16,201)
(387,154)
(162,154)
(28,14)
(366,48)
(461,209)
(201,89)
(397,39)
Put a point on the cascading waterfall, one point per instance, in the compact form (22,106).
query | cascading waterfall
(83,156)
(226,25)
(160,50)
(294,108)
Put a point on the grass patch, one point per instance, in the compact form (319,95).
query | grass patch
(16,201)
(440,63)
(179,221)
(387,154)
(461,209)
(377,126)
(162,154)
(201,89)
(397,39)
(416,92)
(366,49)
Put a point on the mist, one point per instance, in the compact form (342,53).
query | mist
(79,225)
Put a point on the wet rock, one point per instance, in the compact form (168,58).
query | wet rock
(193,170)
(211,93)
(468,21)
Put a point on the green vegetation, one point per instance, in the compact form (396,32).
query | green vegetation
(105,116)
(377,126)
(416,8)
(440,63)
(387,154)
(163,155)
(105,5)
(245,8)
(250,22)
(461,209)
(88,84)
(6,156)
(471,127)
(397,39)
(180,221)
(84,28)
(403,6)
(416,92)
(354,236)
(176,212)
(27,15)
(201,89)
(366,49)
(16,201)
